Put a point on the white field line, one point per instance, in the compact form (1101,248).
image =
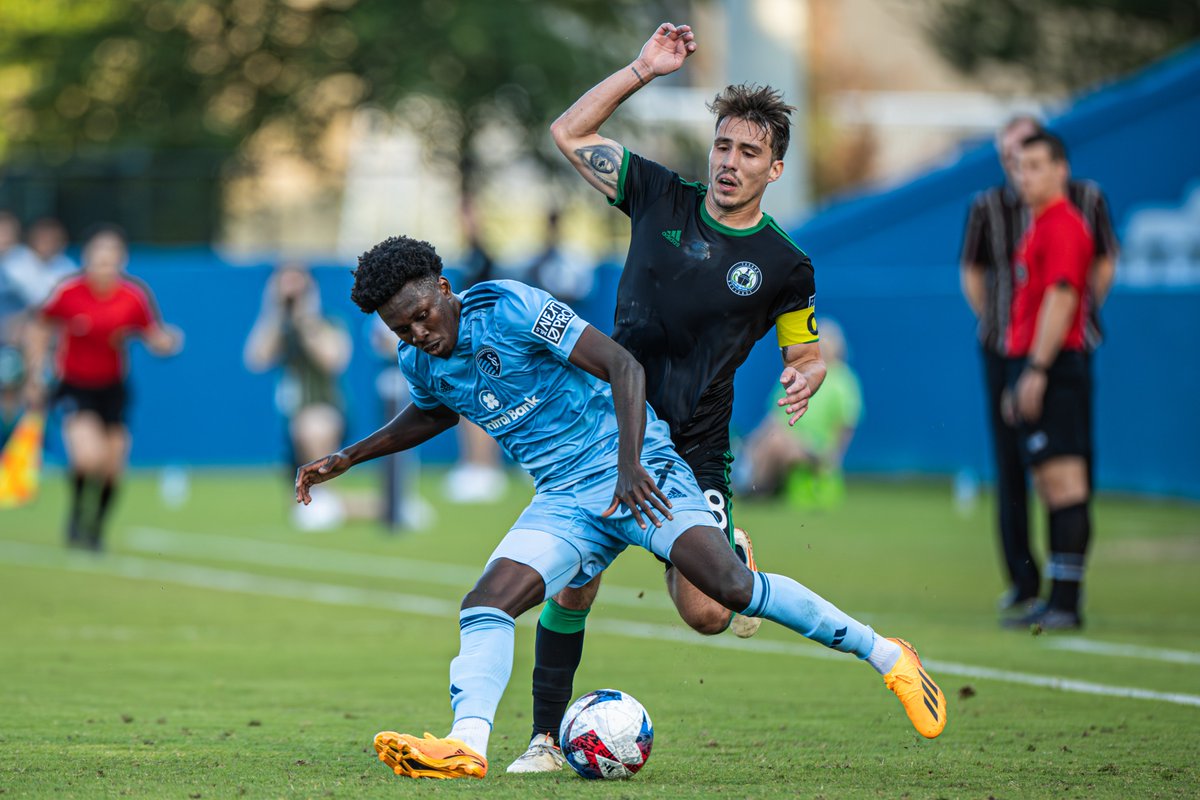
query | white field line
(160,541)
(32,555)
(1097,648)
(318,559)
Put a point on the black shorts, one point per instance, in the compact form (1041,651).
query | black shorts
(1065,427)
(712,474)
(110,403)
(711,468)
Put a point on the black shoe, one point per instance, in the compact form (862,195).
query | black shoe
(1061,619)
(76,537)
(1017,600)
(92,537)
(1044,618)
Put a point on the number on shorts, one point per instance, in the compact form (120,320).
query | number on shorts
(716,504)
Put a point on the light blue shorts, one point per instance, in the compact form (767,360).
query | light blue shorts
(562,535)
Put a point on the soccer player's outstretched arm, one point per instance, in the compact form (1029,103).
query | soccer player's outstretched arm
(409,428)
(599,355)
(576,132)
(803,373)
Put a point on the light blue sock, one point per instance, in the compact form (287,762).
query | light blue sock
(484,663)
(783,600)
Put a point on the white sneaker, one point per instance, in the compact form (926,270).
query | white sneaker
(543,755)
(744,627)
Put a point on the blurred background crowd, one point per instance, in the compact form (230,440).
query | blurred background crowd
(250,149)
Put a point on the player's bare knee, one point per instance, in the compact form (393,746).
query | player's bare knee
(316,429)
(512,587)
(709,620)
(88,458)
(1062,482)
(581,598)
(702,613)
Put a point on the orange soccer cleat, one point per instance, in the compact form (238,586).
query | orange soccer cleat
(923,700)
(430,757)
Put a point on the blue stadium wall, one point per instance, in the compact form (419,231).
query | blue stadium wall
(886,270)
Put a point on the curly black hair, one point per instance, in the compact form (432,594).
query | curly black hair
(388,266)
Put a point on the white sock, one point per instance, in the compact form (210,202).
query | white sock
(479,673)
(473,732)
(884,655)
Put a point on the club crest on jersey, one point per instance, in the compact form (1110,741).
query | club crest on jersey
(552,323)
(488,400)
(489,363)
(744,278)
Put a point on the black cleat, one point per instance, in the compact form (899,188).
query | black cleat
(1016,601)
(1045,618)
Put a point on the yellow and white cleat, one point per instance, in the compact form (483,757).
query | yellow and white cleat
(744,627)
(923,701)
(430,757)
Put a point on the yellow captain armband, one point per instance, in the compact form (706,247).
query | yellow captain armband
(797,327)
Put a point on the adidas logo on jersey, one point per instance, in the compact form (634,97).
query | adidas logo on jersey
(444,386)
(672,236)
(675,494)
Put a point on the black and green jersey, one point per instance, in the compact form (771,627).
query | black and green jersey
(696,296)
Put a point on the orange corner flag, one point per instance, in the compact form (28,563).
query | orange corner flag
(21,461)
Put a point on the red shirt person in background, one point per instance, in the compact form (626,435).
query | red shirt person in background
(1049,398)
(1056,253)
(94,314)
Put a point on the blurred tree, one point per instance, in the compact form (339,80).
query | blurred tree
(1060,44)
(203,76)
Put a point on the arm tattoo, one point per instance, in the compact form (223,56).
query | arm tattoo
(604,161)
(641,82)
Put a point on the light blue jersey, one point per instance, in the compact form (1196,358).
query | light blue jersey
(509,375)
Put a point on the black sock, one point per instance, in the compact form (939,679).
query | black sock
(556,658)
(107,490)
(1070,532)
(78,485)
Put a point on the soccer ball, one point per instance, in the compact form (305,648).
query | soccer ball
(606,734)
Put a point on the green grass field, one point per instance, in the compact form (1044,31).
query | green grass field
(214,652)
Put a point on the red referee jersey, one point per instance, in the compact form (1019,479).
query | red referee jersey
(93,328)
(1056,248)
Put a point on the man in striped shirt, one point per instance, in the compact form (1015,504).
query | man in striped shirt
(997,221)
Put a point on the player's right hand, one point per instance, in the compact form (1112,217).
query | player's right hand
(1008,408)
(637,491)
(667,49)
(319,471)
